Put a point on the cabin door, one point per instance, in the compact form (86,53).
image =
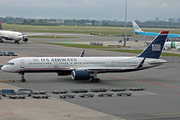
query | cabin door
(113,63)
(55,64)
(22,64)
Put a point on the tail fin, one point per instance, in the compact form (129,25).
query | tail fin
(154,49)
(0,26)
(136,27)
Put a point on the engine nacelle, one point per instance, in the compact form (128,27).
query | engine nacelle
(80,75)
(25,39)
(178,48)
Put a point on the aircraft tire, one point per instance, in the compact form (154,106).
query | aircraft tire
(23,80)
(95,80)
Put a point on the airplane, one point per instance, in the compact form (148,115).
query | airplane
(169,45)
(11,35)
(87,68)
(138,31)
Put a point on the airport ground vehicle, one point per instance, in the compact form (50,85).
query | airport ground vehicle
(118,89)
(99,90)
(136,89)
(17,96)
(66,96)
(79,90)
(86,95)
(124,94)
(7,92)
(25,91)
(105,94)
(39,92)
(61,91)
(40,96)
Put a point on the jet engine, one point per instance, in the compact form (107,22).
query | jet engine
(178,48)
(80,75)
(25,39)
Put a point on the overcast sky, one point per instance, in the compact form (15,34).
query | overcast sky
(91,9)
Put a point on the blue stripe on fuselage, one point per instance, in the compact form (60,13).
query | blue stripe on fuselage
(155,34)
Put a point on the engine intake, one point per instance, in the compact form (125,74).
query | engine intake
(80,75)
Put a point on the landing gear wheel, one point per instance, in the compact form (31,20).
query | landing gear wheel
(22,77)
(23,80)
(1,41)
(16,41)
(95,80)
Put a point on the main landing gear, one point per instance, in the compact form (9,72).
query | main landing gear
(1,41)
(22,77)
(95,79)
(16,41)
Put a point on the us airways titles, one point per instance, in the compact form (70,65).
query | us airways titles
(58,59)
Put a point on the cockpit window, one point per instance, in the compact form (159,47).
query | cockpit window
(10,63)
(19,35)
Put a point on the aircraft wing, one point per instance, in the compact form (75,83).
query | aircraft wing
(34,34)
(4,36)
(105,69)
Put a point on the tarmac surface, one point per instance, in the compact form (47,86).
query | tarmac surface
(159,101)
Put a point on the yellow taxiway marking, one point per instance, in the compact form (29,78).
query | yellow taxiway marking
(10,80)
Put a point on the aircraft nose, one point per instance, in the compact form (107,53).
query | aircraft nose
(1,66)
(4,68)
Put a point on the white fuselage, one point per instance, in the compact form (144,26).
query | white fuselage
(68,64)
(11,35)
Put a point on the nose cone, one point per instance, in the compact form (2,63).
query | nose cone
(4,68)
(1,66)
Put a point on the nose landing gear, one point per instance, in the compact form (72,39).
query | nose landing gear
(22,77)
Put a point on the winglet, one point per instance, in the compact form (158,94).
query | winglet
(141,64)
(136,27)
(0,26)
(154,49)
(82,54)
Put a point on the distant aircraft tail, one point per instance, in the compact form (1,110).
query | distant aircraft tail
(136,27)
(154,49)
(0,26)
(82,54)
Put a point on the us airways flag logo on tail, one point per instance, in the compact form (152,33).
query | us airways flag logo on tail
(154,49)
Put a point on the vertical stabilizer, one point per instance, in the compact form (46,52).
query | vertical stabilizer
(0,26)
(154,49)
(136,27)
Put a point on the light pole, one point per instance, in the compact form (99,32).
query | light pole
(125,22)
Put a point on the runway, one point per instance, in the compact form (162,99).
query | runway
(159,101)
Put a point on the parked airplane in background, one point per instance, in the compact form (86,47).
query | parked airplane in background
(84,68)
(138,31)
(169,45)
(11,35)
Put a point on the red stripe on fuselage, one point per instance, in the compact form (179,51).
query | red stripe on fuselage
(25,69)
